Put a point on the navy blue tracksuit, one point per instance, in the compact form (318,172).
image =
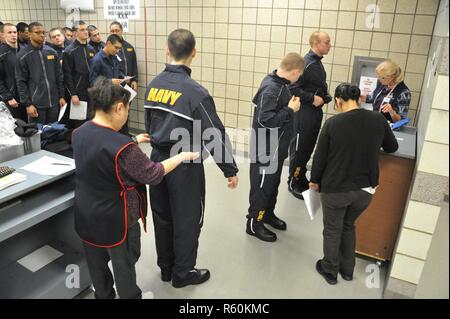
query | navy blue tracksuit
(177,104)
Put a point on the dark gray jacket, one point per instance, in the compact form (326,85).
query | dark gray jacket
(8,89)
(39,77)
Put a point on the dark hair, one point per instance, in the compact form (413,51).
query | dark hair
(114,38)
(104,94)
(116,23)
(34,25)
(21,27)
(65,29)
(181,42)
(77,24)
(53,30)
(346,91)
(91,28)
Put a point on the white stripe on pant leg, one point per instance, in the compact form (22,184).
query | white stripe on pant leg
(296,143)
(201,217)
(251,225)
(262,181)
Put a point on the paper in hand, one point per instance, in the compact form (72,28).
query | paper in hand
(62,110)
(132,92)
(78,112)
(312,201)
(127,78)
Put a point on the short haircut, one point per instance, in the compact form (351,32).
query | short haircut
(181,43)
(53,30)
(22,26)
(116,23)
(390,68)
(65,29)
(104,94)
(4,25)
(292,61)
(34,25)
(315,37)
(77,24)
(91,28)
(114,38)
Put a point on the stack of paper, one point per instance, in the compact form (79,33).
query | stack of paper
(11,179)
(312,201)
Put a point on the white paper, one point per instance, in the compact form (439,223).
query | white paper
(11,179)
(132,92)
(130,9)
(62,110)
(367,85)
(40,258)
(49,166)
(78,112)
(127,78)
(312,201)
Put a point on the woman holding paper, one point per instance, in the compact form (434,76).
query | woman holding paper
(391,97)
(110,192)
(345,171)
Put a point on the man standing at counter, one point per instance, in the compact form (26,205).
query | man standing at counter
(312,89)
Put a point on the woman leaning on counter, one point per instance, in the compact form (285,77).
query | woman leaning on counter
(391,96)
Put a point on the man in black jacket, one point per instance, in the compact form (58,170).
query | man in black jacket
(39,78)
(8,88)
(95,39)
(127,61)
(174,104)
(271,133)
(23,35)
(57,42)
(76,67)
(313,91)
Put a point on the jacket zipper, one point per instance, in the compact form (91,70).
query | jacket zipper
(126,63)
(76,87)
(46,79)
(35,90)
(86,59)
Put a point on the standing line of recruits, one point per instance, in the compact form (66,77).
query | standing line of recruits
(112,172)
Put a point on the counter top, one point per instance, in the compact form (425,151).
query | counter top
(406,139)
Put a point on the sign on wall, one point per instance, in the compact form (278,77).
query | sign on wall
(122,9)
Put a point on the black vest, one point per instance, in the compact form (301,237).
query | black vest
(100,197)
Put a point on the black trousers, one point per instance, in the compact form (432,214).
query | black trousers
(46,115)
(123,259)
(177,205)
(307,123)
(340,211)
(263,189)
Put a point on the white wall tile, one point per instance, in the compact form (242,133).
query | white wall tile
(414,243)
(441,98)
(421,216)
(434,159)
(437,130)
(407,268)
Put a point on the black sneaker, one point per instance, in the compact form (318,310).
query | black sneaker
(332,280)
(346,277)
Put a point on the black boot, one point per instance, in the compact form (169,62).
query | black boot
(166,274)
(297,185)
(194,277)
(257,229)
(274,221)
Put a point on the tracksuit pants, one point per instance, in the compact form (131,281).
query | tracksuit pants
(177,205)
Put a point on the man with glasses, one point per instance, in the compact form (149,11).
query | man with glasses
(105,62)
(39,78)
(76,67)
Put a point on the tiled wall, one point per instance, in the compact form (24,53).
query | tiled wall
(239,41)
(430,182)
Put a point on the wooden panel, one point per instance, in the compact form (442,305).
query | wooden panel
(377,227)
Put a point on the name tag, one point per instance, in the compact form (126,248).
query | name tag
(386,100)
(130,49)
(50,57)
(91,54)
